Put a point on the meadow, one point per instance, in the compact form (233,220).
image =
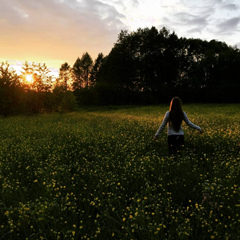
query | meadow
(97,174)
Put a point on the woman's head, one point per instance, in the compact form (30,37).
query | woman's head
(176,105)
(176,113)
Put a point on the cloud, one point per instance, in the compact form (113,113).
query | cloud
(189,19)
(189,23)
(58,29)
(231,7)
(213,19)
(229,25)
(108,13)
(194,30)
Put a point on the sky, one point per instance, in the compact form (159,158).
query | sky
(58,31)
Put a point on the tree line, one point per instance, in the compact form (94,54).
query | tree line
(150,66)
(147,66)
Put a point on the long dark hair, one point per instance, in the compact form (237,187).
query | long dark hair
(176,113)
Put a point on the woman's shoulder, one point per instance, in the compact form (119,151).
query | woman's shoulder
(167,113)
(185,115)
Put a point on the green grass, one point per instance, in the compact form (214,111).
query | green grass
(97,174)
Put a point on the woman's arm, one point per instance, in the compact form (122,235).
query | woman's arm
(164,123)
(189,123)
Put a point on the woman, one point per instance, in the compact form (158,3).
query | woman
(174,118)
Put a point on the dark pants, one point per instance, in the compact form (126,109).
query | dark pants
(175,144)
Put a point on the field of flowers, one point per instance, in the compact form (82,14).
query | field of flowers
(97,174)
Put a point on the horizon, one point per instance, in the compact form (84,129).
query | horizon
(17,67)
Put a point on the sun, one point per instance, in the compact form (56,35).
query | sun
(29,78)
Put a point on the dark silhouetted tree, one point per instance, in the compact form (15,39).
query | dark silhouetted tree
(11,92)
(77,75)
(94,75)
(38,92)
(86,65)
(65,75)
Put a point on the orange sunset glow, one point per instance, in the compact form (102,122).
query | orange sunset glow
(29,78)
